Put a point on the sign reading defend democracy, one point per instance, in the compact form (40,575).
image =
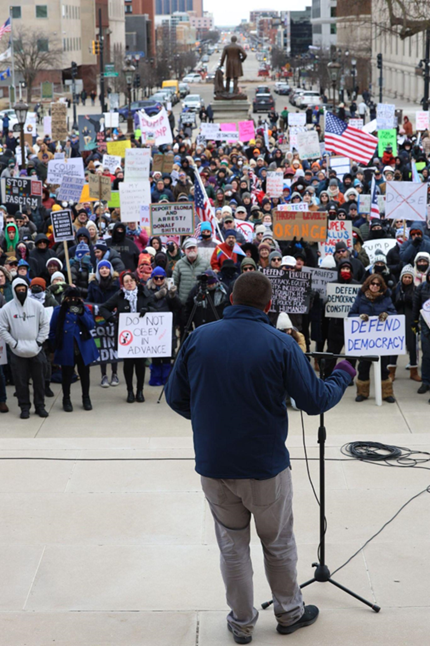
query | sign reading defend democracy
(311,226)
(145,336)
(172,219)
(291,290)
(381,338)
(340,299)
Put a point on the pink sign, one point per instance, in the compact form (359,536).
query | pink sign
(246,130)
(227,127)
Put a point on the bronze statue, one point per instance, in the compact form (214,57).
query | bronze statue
(235,55)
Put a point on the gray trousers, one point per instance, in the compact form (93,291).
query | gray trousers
(22,369)
(270,502)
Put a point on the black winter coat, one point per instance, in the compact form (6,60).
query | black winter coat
(126,248)
(118,303)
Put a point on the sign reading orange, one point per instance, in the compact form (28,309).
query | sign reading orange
(309,225)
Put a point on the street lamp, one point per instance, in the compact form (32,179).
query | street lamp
(353,72)
(21,109)
(129,71)
(334,69)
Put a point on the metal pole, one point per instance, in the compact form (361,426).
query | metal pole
(380,84)
(21,129)
(102,78)
(12,57)
(75,123)
(427,72)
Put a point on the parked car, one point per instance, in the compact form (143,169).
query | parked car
(151,107)
(308,98)
(282,88)
(295,94)
(263,102)
(262,89)
(183,90)
(170,95)
(193,102)
(193,77)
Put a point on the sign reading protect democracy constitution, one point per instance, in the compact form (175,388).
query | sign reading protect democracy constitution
(340,299)
(382,338)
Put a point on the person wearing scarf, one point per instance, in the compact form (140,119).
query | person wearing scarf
(38,292)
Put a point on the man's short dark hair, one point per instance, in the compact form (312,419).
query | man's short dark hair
(252,289)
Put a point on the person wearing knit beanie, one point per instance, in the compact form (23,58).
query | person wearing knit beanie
(248,264)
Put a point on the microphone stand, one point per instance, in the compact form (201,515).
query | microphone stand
(322,572)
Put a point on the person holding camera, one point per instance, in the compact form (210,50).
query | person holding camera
(70,337)
(135,298)
(209,294)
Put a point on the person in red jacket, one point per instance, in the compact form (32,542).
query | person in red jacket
(224,251)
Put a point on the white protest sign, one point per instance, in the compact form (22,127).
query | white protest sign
(295,206)
(112,162)
(320,279)
(172,219)
(308,145)
(71,188)
(58,168)
(406,201)
(385,116)
(424,311)
(47,125)
(364,203)
(341,165)
(340,299)
(246,228)
(375,337)
(3,352)
(356,123)
(421,120)
(111,119)
(137,162)
(30,125)
(145,219)
(228,135)
(145,336)
(156,128)
(337,231)
(59,156)
(370,127)
(210,130)
(132,195)
(274,183)
(296,119)
(382,244)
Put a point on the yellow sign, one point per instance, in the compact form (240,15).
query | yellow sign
(118,147)
(85,195)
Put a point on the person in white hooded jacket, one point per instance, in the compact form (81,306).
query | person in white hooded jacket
(24,327)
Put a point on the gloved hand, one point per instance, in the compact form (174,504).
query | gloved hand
(416,241)
(142,312)
(383,316)
(161,293)
(77,309)
(172,291)
(346,367)
(364,317)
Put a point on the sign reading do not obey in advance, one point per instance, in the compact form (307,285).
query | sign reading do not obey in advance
(145,336)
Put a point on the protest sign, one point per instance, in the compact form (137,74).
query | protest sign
(137,162)
(91,131)
(387,138)
(228,135)
(156,128)
(85,195)
(385,116)
(60,156)
(114,202)
(246,131)
(308,145)
(145,218)
(375,337)
(118,148)
(356,123)
(274,183)
(111,162)
(309,225)
(71,188)
(320,278)
(425,312)
(422,120)
(291,290)
(59,130)
(162,163)
(341,165)
(406,201)
(337,231)
(132,195)
(47,125)
(3,352)
(111,119)
(176,218)
(296,119)
(104,335)
(58,168)
(364,203)
(62,226)
(382,244)
(100,187)
(22,192)
(30,126)
(340,299)
(145,336)
(370,127)
(297,206)
(246,228)
(209,130)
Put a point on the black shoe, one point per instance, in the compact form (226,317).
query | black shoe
(390,400)
(139,396)
(48,391)
(86,403)
(239,639)
(67,406)
(360,398)
(42,412)
(25,414)
(309,617)
(423,389)
(130,397)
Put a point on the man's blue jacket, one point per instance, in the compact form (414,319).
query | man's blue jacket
(231,378)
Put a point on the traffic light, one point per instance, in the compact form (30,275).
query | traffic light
(136,82)
(96,47)
(379,61)
(74,70)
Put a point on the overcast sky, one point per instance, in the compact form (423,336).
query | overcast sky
(228,12)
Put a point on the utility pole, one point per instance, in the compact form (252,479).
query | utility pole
(74,72)
(381,78)
(427,72)
(102,76)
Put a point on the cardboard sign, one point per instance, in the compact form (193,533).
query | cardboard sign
(309,225)
(59,121)
(132,196)
(58,168)
(246,131)
(118,148)
(111,162)
(62,226)
(308,144)
(381,338)
(320,278)
(296,119)
(387,138)
(137,163)
(209,130)
(406,201)
(291,290)
(382,244)
(176,218)
(100,187)
(145,336)
(274,183)
(163,163)
(22,192)
(421,120)
(156,128)
(340,299)
(356,123)
(337,231)
(385,116)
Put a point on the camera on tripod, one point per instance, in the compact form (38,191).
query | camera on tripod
(202,287)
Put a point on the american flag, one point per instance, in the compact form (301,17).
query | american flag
(203,208)
(374,206)
(345,140)
(6,28)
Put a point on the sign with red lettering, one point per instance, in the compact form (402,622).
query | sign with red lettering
(311,226)
(155,129)
(337,231)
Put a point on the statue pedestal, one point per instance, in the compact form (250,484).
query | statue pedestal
(229,110)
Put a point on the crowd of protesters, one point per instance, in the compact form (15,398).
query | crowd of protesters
(119,267)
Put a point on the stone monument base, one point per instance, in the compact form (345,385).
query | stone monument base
(229,110)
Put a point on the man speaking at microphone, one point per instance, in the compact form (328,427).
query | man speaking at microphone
(230,379)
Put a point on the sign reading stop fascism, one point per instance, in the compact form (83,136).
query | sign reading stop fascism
(311,226)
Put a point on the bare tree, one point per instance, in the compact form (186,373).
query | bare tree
(405,18)
(34,51)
